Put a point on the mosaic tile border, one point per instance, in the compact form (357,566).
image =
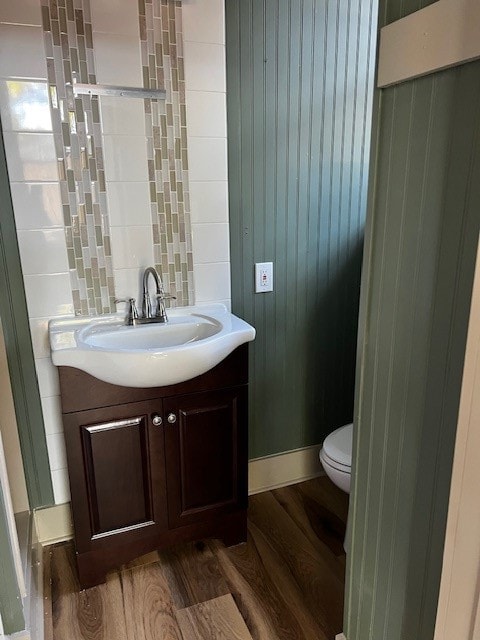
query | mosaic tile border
(78,138)
(78,141)
(161,42)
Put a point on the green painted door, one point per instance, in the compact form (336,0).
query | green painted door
(423,226)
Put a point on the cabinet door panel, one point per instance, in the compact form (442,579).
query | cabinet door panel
(110,449)
(206,455)
(117,474)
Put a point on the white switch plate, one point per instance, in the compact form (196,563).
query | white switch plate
(263,277)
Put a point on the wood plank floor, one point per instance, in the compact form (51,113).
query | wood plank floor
(218,618)
(286,583)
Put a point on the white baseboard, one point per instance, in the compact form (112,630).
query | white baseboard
(341,636)
(54,524)
(282,469)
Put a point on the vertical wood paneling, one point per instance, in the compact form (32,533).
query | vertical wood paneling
(422,234)
(299,78)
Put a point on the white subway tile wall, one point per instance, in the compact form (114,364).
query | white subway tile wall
(26,12)
(204,21)
(121,117)
(129,204)
(211,243)
(205,68)
(128,284)
(212,281)
(31,157)
(37,205)
(207,110)
(50,255)
(53,414)
(208,159)
(125,158)
(123,127)
(32,163)
(56,451)
(48,295)
(39,333)
(133,247)
(21,50)
(61,487)
(47,378)
(209,201)
(116,17)
(117,59)
(205,81)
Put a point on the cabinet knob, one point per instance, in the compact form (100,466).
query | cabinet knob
(172,418)
(157,420)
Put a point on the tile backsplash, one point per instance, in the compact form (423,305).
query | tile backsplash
(128,226)
(161,42)
(97,149)
(80,156)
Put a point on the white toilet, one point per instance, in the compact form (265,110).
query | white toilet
(336,456)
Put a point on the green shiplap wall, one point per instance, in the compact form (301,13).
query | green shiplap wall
(299,85)
(422,233)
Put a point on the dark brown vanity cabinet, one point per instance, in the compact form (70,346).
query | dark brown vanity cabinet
(165,465)
(206,472)
(118,485)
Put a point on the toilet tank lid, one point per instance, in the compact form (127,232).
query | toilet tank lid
(338,445)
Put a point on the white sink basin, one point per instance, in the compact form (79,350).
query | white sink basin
(178,331)
(194,340)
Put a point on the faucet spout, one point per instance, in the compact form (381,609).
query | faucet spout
(147,303)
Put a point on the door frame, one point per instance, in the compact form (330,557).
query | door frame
(458,614)
(12,587)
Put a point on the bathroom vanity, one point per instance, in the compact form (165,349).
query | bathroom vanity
(153,466)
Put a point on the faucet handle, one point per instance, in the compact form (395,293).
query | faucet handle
(132,313)
(161,311)
(165,296)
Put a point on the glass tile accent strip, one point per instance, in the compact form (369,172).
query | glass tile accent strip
(161,42)
(78,141)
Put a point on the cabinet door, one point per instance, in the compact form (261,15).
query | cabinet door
(117,474)
(206,454)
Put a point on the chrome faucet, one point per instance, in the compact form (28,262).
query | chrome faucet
(158,312)
(147,303)
(150,313)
